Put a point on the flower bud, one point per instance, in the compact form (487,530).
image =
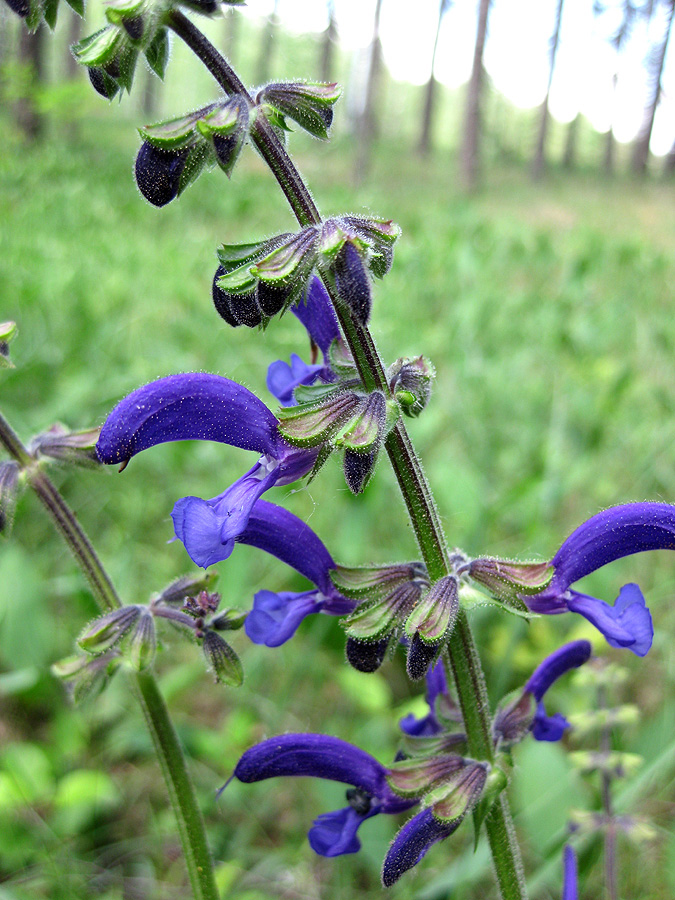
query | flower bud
(229,620)
(134,27)
(358,468)
(430,624)
(9,492)
(352,283)
(86,676)
(158,173)
(223,660)
(411,381)
(186,586)
(143,644)
(366,656)
(105,632)
(308,104)
(102,83)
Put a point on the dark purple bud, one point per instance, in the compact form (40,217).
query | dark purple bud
(358,467)
(20,7)
(352,283)
(225,146)
(221,300)
(271,299)
(158,173)
(366,656)
(134,27)
(420,656)
(102,83)
(412,842)
(245,309)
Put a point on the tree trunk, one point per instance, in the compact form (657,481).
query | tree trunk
(31,55)
(641,149)
(669,164)
(232,23)
(539,161)
(431,89)
(569,159)
(73,68)
(366,126)
(267,46)
(328,42)
(469,158)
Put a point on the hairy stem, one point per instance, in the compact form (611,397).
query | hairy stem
(465,662)
(171,759)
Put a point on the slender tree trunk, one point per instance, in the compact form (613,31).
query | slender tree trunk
(367,126)
(470,152)
(32,55)
(267,46)
(669,164)
(431,89)
(641,149)
(73,68)
(569,159)
(328,42)
(539,161)
(232,24)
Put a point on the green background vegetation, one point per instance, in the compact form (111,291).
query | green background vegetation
(547,311)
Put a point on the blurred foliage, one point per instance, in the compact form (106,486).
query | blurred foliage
(547,312)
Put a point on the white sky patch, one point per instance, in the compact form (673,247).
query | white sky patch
(516,53)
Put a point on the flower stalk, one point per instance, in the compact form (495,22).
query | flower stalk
(165,740)
(464,658)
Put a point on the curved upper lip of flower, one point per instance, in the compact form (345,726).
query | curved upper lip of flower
(192,406)
(609,535)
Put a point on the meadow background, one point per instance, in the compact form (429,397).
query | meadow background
(547,310)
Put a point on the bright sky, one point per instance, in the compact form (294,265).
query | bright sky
(516,54)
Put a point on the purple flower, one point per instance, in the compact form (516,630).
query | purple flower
(570,656)
(612,534)
(199,406)
(321,756)
(526,713)
(417,836)
(275,617)
(315,311)
(570,891)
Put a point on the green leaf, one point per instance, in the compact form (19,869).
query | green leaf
(77,6)
(50,11)
(232,256)
(157,53)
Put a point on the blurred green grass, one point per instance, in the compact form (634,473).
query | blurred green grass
(547,310)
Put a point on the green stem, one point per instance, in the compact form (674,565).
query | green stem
(464,659)
(171,759)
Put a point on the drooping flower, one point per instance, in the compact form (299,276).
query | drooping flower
(199,406)
(517,717)
(275,616)
(321,756)
(611,534)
